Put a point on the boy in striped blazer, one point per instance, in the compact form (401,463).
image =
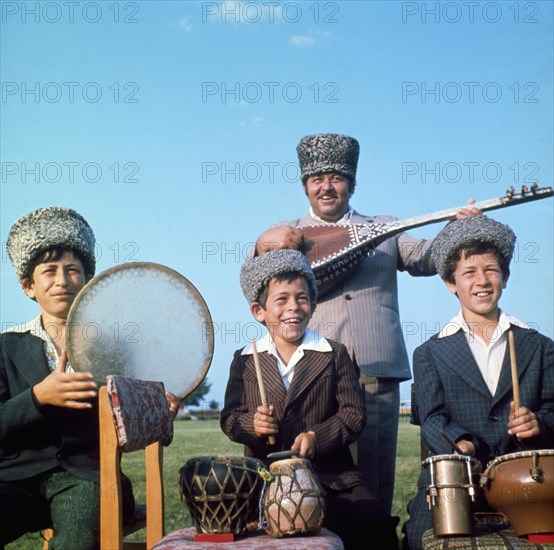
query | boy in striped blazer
(315,404)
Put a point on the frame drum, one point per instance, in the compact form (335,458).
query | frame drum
(141,320)
(521,486)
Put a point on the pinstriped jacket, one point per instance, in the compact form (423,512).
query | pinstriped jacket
(324,397)
(363,311)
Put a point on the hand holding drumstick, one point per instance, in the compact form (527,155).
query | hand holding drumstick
(264,423)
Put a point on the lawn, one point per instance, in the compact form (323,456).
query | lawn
(198,438)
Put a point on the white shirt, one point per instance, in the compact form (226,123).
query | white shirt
(311,341)
(345,220)
(36,329)
(489,357)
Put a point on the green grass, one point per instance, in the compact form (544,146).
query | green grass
(198,438)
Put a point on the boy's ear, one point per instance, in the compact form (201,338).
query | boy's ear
(257,311)
(27,287)
(505,282)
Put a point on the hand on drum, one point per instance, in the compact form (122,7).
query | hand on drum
(264,423)
(468,448)
(174,404)
(283,236)
(523,423)
(64,389)
(304,443)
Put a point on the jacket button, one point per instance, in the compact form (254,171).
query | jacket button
(493,418)
(348,297)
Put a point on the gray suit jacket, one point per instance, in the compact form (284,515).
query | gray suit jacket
(363,311)
(35,439)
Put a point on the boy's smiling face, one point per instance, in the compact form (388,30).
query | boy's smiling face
(287,311)
(478,282)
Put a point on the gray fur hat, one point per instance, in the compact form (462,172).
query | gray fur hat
(461,232)
(328,153)
(256,272)
(45,228)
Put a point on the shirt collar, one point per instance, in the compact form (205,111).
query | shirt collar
(458,323)
(311,341)
(345,220)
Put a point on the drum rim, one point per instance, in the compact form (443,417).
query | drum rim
(158,267)
(519,454)
(436,458)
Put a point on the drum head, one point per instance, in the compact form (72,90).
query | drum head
(141,320)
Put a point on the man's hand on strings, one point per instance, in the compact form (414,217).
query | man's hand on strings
(468,210)
(280,237)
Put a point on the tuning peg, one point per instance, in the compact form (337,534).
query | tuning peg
(510,192)
(534,187)
(524,189)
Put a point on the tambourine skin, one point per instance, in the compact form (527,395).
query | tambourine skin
(521,486)
(141,320)
(221,493)
(294,501)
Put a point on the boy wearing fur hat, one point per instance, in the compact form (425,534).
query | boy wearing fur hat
(464,371)
(315,402)
(49,441)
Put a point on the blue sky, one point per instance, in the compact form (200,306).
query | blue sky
(172,127)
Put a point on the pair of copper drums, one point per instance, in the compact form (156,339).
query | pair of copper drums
(518,485)
(229,494)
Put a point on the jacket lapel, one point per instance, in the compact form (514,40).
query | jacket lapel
(524,353)
(457,356)
(303,376)
(28,357)
(273,384)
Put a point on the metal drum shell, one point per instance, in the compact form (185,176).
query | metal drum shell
(221,493)
(449,494)
(510,489)
(294,501)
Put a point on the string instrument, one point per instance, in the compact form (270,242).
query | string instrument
(335,250)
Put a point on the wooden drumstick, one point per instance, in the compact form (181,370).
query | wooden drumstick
(513,363)
(270,438)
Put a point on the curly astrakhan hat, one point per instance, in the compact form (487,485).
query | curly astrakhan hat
(322,153)
(467,230)
(256,272)
(45,228)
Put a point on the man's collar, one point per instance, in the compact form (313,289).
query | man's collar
(343,221)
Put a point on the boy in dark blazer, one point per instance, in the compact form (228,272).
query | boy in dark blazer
(463,375)
(315,402)
(49,435)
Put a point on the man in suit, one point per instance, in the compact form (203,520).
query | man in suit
(362,312)
(315,405)
(49,435)
(463,373)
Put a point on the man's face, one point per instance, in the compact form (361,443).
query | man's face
(329,195)
(55,284)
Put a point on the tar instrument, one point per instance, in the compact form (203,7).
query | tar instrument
(294,501)
(222,493)
(521,486)
(450,493)
(142,320)
(335,250)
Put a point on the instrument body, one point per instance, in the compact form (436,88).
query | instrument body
(222,493)
(521,486)
(294,501)
(141,320)
(450,493)
(335,250)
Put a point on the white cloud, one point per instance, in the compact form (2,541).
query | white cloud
(302,41)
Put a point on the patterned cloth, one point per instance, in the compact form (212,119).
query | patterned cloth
(141,412)
(487,537)
(184,538)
